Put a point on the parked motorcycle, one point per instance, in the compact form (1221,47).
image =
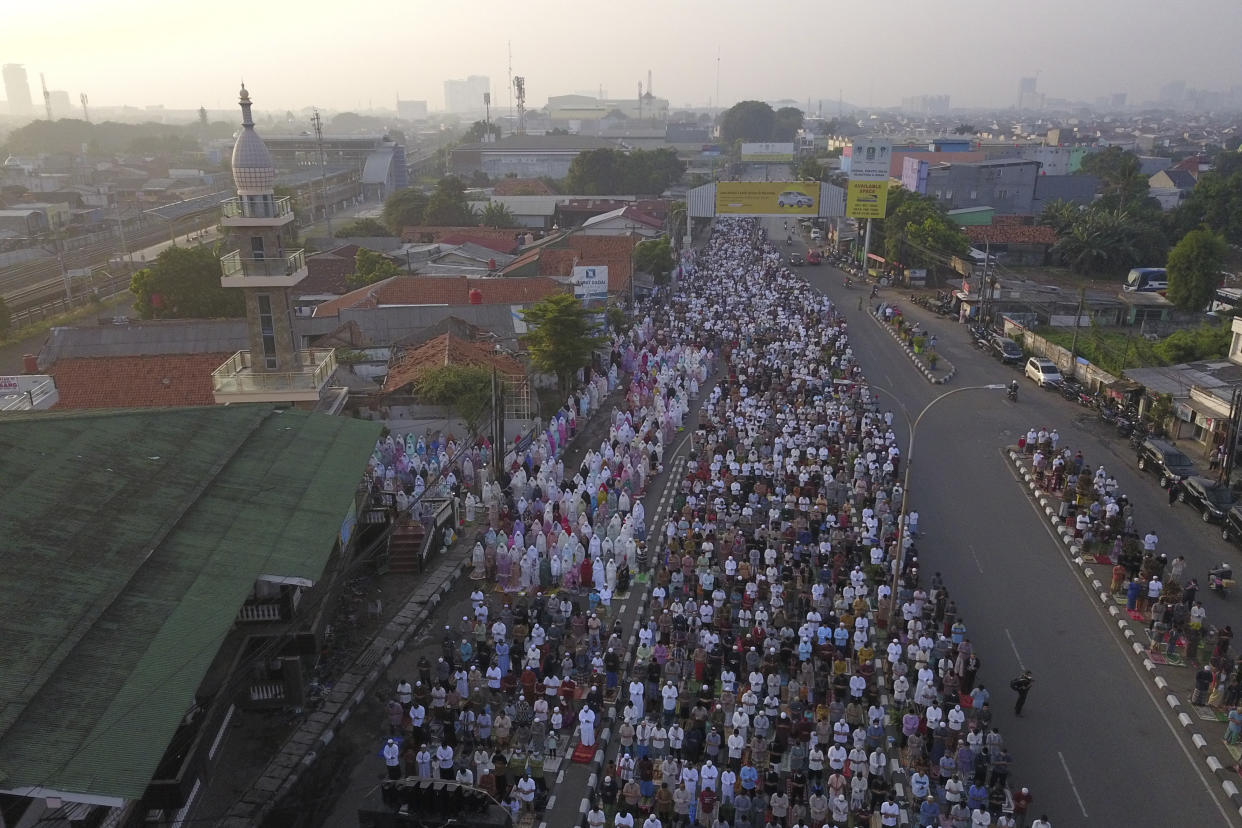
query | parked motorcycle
(1220,579)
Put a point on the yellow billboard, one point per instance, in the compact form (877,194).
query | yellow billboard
(866,199)
(767,198)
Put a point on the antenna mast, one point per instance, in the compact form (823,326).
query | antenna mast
(47,97)
(519,88)
(86,115)
(510,80)
(487,116)
(323,168)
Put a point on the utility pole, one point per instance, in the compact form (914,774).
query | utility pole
(1082,295)
(866,249)
(1231,437)
(47,98)
(323,170)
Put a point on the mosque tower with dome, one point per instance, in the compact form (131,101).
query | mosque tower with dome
(264,265)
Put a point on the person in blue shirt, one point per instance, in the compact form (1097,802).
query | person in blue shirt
(841,637)
(929,813)
(749,777)
(804,649)
(977,797)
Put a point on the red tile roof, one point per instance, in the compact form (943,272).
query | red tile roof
(615,252)
(430,235)
(411,364)
(444,290)
(326,272)
(557,262)
(168,380)
(1012,234)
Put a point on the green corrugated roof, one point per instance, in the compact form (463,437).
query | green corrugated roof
(131,540)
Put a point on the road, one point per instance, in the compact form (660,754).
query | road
(1093,731)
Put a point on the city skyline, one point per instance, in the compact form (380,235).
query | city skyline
(143,53)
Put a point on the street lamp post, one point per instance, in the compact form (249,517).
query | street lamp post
(913,427)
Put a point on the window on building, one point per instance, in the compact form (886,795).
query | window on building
(267,331)
(937,194)
(948,195)
(974,194)
(256,247)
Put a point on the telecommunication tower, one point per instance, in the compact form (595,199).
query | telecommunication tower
(47,97)
(519,91)
(86,115)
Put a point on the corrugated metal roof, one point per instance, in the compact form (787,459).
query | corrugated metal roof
(132,538)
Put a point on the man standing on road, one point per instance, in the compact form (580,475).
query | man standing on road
(1022,685)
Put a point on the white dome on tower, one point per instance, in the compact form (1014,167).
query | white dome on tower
(253,170)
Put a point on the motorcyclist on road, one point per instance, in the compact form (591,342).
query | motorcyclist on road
(1013,389)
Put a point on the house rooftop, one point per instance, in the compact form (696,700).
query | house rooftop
(129,551)
(410,365)
(443,290)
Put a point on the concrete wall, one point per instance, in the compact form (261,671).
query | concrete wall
(1086,373)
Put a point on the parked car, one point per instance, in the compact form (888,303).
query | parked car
(1231,526)
(817,234)
(1211,498)
(1165,460)
(1006,349)
(1042,371)
(813,257)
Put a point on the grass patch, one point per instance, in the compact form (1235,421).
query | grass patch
(15,335)
(1114,350)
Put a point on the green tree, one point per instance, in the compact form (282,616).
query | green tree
(1120,173)
(562,336)
(184,283)
(747,121)
(448,206)
(363,228)
(810,168)
(404,208)
(496,214)
(1214,203)
(467,389)
(1060,216)
(1110,241)
(964,129)
(1194,269)
(369,268)
(611,172)
(654,256)
(478,130)
(786,122)
(917,232)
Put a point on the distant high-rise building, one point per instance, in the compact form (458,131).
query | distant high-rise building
(926,104)
(1173,92)
(466,95)
(1028,98)
(411,110)
(61,107)
(17,89)
(1118,100)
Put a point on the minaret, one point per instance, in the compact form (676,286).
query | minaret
(261,265)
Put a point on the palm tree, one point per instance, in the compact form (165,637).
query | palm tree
(677,217)
(496,214)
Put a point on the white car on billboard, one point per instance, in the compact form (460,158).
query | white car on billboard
(793,198)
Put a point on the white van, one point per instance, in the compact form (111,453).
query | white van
(1146,280)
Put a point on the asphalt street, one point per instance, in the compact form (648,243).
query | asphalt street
(1096,745)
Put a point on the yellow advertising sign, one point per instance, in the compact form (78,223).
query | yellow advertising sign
(767,198)
(866,199)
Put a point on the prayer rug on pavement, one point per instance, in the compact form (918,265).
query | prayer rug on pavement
(583,753)
(1234,750)
(1135,615)
(1161,658)
(1103,560)
(1208,714)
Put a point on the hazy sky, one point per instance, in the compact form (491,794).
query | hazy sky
(339,55)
